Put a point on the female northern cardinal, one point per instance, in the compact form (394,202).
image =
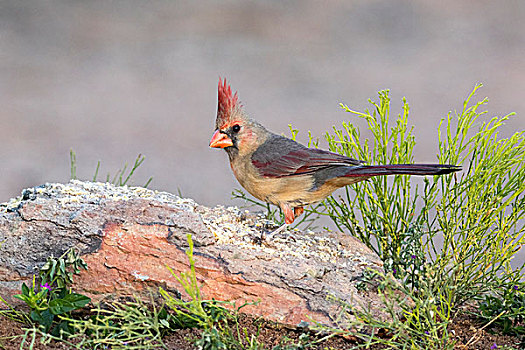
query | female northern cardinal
(280,171)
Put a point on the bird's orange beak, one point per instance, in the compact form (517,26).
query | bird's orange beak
(220,140)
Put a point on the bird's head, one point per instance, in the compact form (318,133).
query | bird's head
(234,131)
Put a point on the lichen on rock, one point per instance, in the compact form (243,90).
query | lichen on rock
(128,235)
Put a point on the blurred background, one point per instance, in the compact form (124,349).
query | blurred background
(112,79)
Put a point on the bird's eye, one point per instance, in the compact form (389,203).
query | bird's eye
(236,128)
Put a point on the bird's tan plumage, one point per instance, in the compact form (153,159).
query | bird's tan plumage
(280,171)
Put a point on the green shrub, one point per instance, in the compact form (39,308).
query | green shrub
(477,214)
(505,309)
(51,300)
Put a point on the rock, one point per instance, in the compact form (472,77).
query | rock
(128,237)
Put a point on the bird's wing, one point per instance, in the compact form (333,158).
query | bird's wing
(279,156)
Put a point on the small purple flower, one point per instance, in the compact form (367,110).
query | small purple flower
(494,346)
(394,271)
(46,286)
(516,287)
(413,256)
(427,332)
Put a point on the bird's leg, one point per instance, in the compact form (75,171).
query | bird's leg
(289,213)
(298,211)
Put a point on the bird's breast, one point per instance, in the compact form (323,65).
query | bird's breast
(294,189)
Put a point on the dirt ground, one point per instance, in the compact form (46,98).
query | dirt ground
(466,330)
(270,334)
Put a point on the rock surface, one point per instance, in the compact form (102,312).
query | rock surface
(128,237)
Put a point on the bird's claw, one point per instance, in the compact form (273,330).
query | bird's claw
(267,237)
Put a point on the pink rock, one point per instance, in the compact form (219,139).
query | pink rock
(128,237)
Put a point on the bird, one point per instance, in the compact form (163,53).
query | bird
(280,171)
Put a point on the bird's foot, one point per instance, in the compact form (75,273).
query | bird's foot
(275,232)
(267,237)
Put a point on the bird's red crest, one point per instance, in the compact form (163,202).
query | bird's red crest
(227,102)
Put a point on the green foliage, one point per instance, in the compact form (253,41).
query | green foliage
(481,214)
(477,214)
(119,179)
(210,340)
(196,312)
(367,280)
(73,162)
(129,325)
(210,315)
(60,271)
(411,322)
(506,309)
(13,314)
(384,205)
(52,297)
